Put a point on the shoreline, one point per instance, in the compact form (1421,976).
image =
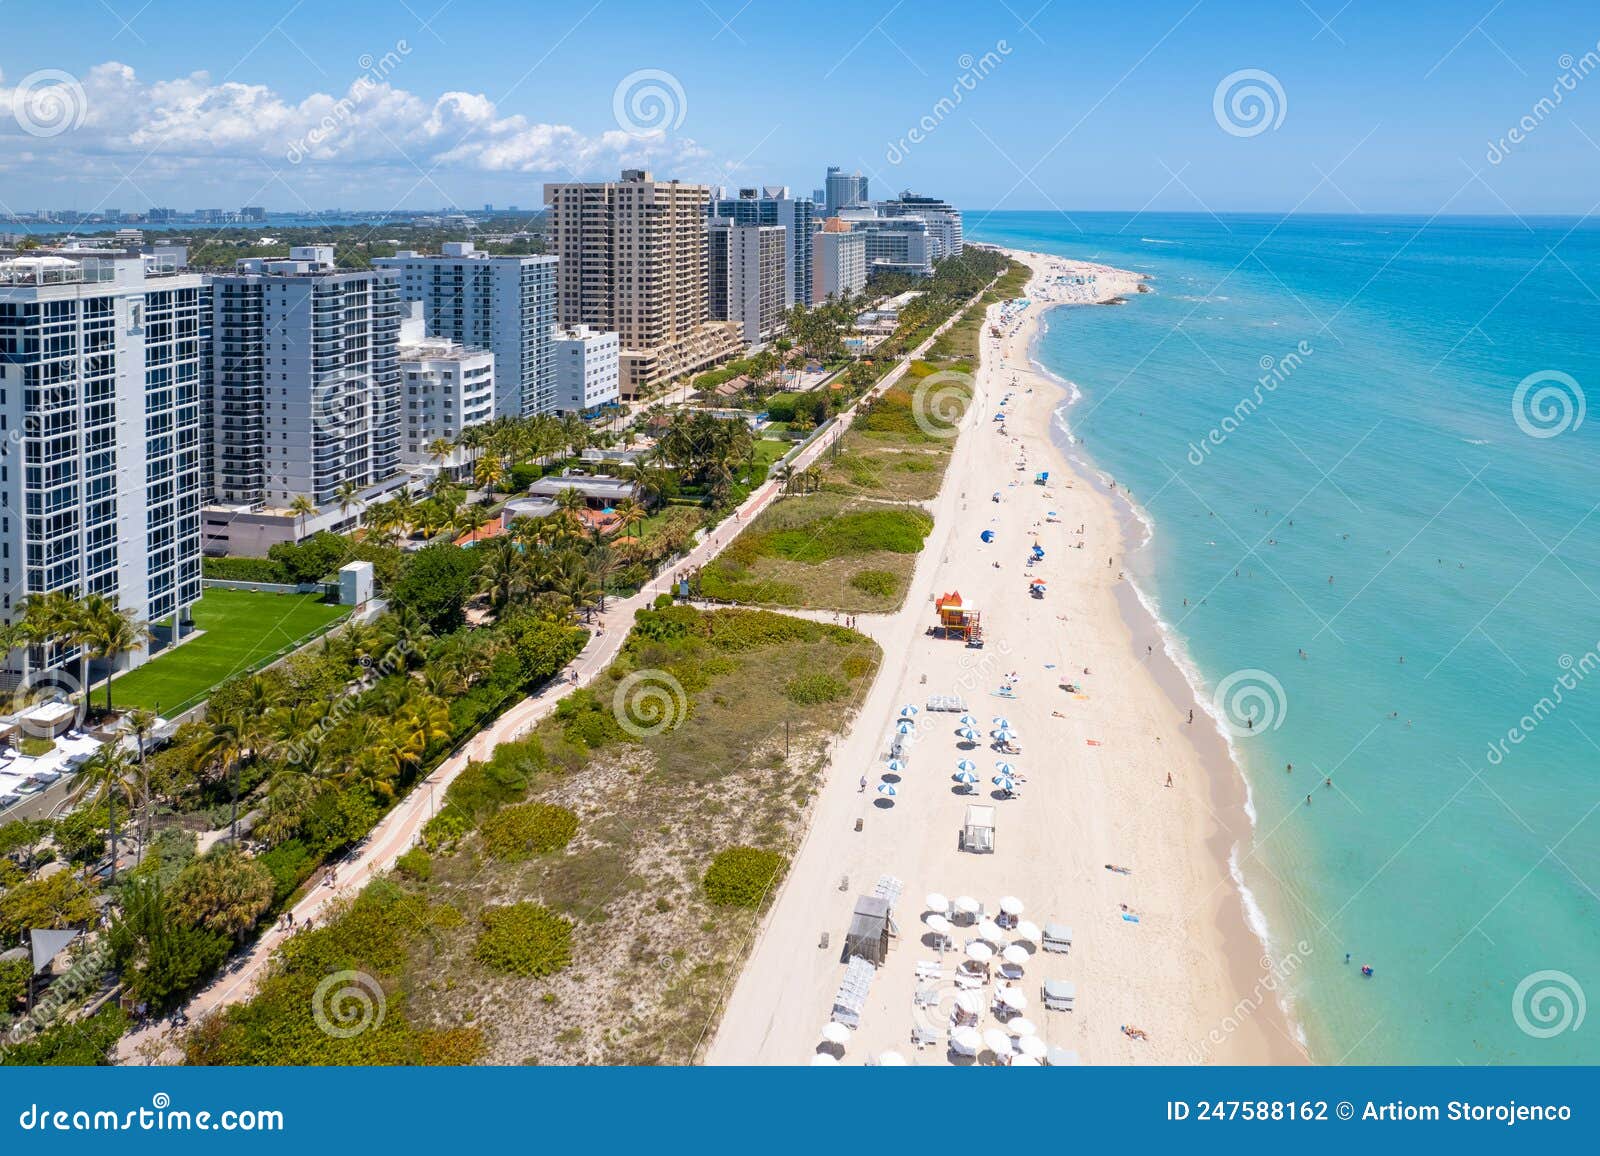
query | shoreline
(1152,947)
(1233,811)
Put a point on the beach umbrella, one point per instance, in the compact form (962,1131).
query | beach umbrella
(979,951)
(968,1003)
(892,1060)
(1011,905)
(987,535)
(1009,770)
(990,930)
(1016,953)
(1001,720)
(1005,784)
(966,765)
(1024,1061)
(936,902)
(1028,931)
(1005,734)
(1012,997)
(835,1032)
(896,765)
(905,726)
(887,789)
(967,720)
(966,1040)
(997,1042)
(1032,1048)
(940,924)
(1021,1026)
(965,778)
(968,735)
(908,711)
(824,1060)
(968,905)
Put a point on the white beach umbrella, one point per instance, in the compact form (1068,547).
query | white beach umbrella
(966,1040)
(1004,782)
(1005,735)
(909,711)
(980,951)
(887,789)
(1005,768)
(968,1002)
(990,930)
(934,901)
(896,765)
(1011,905)
(968,735)
(1012,997)
(835,1032)
(824,1060)
(967,720)
(1000,720)
(892,1060)
(966,765)
(967,904)
(1016,953)
(1028,931)
(940,924)
(1024,1061)
(905,727)
(1033,1048)
(966,777)
(1021,1026)
(997,1042)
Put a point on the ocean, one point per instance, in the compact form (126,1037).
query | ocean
(1361,450)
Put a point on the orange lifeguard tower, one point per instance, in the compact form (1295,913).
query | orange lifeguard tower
(956,620)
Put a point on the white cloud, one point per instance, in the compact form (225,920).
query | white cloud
(109,122)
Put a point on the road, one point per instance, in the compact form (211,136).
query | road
(400,829)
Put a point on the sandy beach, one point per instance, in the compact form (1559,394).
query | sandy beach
(1162,947)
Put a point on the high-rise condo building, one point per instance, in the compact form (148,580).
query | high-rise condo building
(306,397)
(944,219)
(749,277)
(894,244)
(587,369)
(772,205)
(634,261)
(505,304)
(843,190)
(839,261)
(102,372)
(447,388)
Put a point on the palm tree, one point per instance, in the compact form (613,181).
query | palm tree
(106,774)
(349,495)
(629,514)
(504,574)
(226,741)
(569,501)
(109,632)
(439,449)
(302,507)
(489,473)
(141,722)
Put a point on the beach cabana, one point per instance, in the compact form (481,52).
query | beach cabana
(1059,994)
(868,937)
(977,833)
(1057,937)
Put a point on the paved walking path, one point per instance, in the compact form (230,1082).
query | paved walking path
(399,830)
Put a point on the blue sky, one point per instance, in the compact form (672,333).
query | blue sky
(419,103)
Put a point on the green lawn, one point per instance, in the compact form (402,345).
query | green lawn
(244,630)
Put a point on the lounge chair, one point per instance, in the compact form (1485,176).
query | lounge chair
(1059,994)
(929,969)
(927,997)
(924,1037)
(1056,937)
(968,982)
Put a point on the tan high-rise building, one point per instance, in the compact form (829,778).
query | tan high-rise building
(634,259)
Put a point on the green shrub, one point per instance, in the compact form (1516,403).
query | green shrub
(524,939)
(415,864)
(244,570)
(878,582)
(818,687)
(521,832)
(855,666)
(744,876)
(443,830)
(898,531)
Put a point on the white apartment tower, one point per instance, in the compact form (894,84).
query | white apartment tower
(305,382)
(505,304)
(587,369)
(102,369)
(838,261)
(447,388)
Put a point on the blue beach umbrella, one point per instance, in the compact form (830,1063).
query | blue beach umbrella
(966,765)
(906,726)
(908,711)
(966,777)
(896,765)
(968,735)
(1001,721)
(1004,784)
(1005,769)
(967,720)
(1005,735)
(987,536)
(887,789)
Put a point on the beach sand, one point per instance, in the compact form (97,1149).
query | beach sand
(1189,973)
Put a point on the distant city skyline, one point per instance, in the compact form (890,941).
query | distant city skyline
(1186,106)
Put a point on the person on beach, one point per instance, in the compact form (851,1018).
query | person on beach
(1169,778)
(1191,715)
(863,789)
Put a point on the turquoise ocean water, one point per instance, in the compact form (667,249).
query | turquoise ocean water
(1338,397)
